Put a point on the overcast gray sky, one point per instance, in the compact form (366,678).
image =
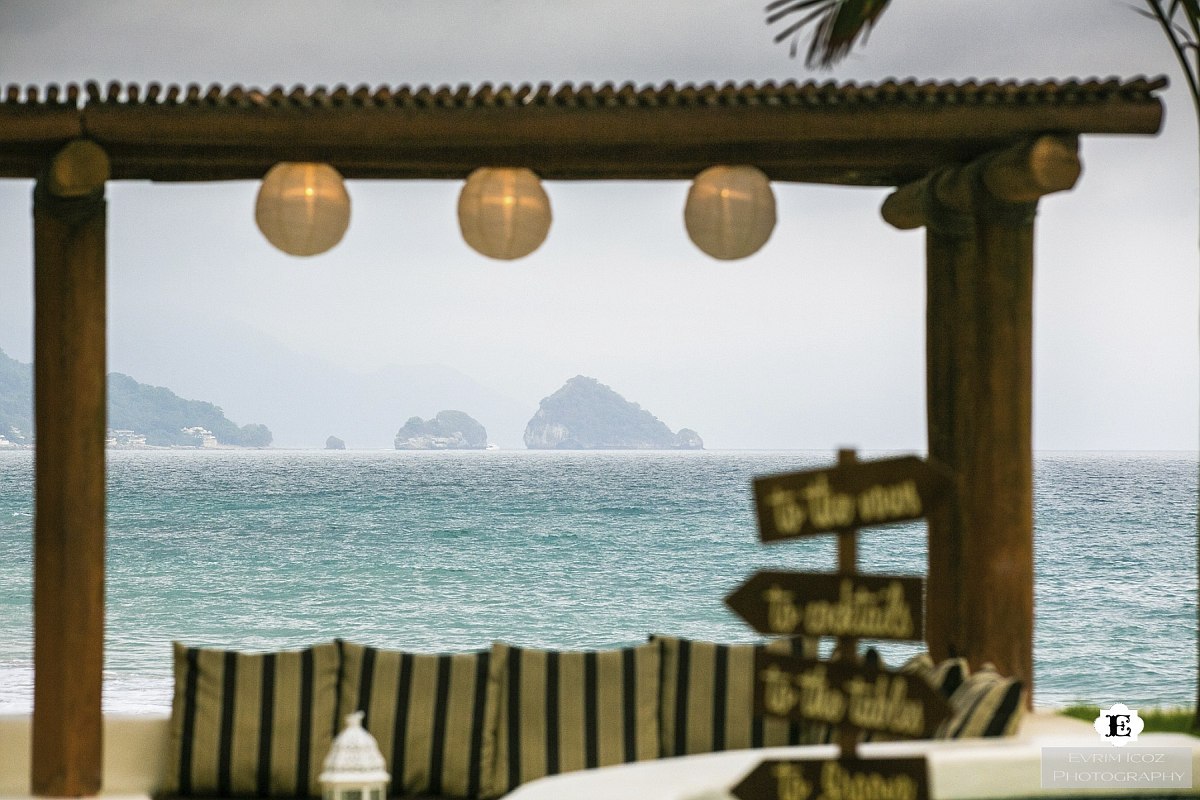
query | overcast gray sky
(815,342)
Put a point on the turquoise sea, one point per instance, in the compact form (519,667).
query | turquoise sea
(450,551)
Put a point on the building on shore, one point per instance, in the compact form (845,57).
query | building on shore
(204,437)
(124,439)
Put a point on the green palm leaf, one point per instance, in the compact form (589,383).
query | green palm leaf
(837,25)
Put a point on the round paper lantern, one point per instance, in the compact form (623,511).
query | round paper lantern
(504,212)
(303,209)
(730,211)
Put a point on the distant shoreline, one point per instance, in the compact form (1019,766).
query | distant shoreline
(830,453)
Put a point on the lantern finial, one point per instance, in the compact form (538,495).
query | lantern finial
(354,768)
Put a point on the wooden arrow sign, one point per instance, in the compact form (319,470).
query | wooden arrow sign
(851,495)
(809,779)
(830,604)
(837,693)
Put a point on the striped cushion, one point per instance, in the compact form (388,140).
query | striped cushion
(251,724)
(426,711)
(563,711)
(708,697)
(945,676)
(987,704)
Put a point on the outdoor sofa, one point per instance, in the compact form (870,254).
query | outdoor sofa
(468,725)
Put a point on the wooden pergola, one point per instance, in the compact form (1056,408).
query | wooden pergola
(970,161)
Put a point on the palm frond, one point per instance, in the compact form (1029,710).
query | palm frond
(774,16)
(793,30)
(1183,41)
(1191,13)
(837,25)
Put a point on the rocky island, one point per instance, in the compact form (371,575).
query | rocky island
(587,415)
(449,430)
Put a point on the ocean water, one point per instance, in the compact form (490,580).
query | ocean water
(450,551)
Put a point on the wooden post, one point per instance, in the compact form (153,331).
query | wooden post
(979,382)
(997,496)
(950,381)
(69,410)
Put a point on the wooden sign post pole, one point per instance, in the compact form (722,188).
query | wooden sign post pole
(848,645)
(848,695)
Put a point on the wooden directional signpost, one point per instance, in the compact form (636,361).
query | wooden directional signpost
(845,694)
(829,604)
(852,495)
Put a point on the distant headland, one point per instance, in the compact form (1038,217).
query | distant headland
(587,415)
(139,415)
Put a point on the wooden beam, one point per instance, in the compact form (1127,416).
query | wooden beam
(574,126)
(1032,169)
(43,124)
(845,145)
(847,135)
(30,135)
(1021,173)
(78,170)
(69,407)
(853,164)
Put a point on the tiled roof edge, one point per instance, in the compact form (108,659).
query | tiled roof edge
(587,96)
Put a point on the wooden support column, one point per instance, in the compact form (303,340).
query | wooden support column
(69,412)
(950,382)
(979,350)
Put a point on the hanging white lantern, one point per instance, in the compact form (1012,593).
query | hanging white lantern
(730,211)
(504,212)
(354,768)
(302,208)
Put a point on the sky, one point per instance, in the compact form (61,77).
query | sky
(815,342)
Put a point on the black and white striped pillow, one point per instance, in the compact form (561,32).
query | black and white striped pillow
(945,676)
(251,724)
(987,704)
(426,711)
(564,711)
(707,697)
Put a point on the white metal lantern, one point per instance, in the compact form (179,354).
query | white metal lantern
(504,212)
(730,211)
(354,768)
(302,208)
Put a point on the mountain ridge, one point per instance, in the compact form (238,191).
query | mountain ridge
(158,416)
(304,397)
